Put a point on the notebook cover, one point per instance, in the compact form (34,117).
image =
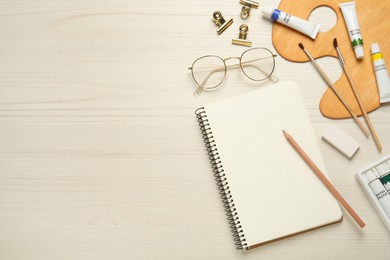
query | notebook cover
(271,193)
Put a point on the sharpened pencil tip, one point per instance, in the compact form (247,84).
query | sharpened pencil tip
(301,46)
(335,44)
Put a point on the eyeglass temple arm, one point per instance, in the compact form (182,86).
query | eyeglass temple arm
(269,76)
(262,71)
(273,55)
(274,79)
(234,66)
(201,85)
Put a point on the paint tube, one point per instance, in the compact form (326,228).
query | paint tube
(303,26)
(381,73)
(351,20)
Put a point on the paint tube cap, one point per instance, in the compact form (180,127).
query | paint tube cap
(267,12)
(359,52)
(370,175)
(375,48)
(382,169)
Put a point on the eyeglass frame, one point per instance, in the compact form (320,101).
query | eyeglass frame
(240,65)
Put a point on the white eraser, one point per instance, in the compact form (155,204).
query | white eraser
(341,141)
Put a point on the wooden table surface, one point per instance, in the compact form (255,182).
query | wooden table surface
(101,156)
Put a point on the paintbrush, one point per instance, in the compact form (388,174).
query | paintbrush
(357,96)
(330,84)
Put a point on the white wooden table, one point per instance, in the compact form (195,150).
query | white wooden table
(100,152)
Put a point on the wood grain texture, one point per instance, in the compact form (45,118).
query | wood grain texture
(101,156)
(374,22)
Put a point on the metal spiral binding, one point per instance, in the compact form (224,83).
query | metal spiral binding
(222,183)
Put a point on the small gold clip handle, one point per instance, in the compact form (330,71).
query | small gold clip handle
(242,37)
(248,4)
(221,22)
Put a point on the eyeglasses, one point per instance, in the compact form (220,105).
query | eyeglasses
(209,71)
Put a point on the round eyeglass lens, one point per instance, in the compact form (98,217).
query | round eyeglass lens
(258,63)
(209,71)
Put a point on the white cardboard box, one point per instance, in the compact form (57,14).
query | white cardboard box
(370,194)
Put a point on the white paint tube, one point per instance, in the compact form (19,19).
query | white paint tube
(308,28)
(351,20)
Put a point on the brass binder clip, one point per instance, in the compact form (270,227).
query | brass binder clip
(248,4)
(242,37)
(220,22)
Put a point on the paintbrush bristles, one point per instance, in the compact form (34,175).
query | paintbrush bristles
(309,56)
(335,44)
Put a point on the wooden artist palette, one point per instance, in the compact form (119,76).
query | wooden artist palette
(374,20)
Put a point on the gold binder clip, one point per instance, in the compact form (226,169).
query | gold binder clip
(220,22)
(248,4)
(242,37)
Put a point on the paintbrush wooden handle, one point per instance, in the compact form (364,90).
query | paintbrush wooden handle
(360,102)
(330,84)
(358,122)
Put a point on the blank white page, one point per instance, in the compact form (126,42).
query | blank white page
(275,193)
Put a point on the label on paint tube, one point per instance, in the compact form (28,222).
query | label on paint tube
(357,38)
(381,73)
(386,181)
(275,15)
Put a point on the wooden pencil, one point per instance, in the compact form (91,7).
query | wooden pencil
(323,179)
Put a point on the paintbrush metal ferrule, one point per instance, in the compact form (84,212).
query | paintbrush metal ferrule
(341,59)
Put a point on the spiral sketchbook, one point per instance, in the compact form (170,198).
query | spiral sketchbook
(268,191)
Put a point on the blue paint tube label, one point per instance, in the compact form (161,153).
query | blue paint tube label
(275,15)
